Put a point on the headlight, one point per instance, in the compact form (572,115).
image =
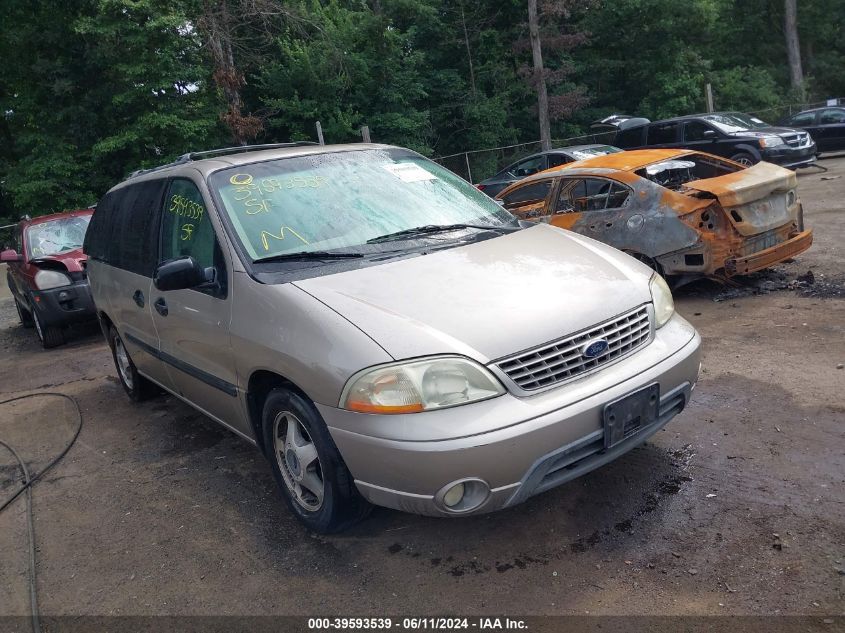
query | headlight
(661,296)
(411,387)
(771,141)
(46,279)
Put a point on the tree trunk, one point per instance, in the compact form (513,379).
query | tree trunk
(793,49)
(469,52)
(217,22)
(539,76)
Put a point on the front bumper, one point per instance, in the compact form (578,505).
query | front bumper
(64,305)
(538,442)
(791,157)
(770,256)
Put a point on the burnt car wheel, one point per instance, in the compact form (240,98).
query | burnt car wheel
(744,158)
(48,335)
(24,315)
(311,474)
(136,386)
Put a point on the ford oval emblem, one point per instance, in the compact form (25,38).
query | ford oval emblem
(594,348)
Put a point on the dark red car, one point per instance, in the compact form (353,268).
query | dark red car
(46,273)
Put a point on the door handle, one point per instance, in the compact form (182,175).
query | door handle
(161,306)
(138,298)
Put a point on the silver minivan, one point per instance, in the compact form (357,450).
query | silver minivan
(383,331)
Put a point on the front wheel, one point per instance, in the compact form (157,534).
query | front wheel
(48,335)
(24,315)
(308,468)
(744,158)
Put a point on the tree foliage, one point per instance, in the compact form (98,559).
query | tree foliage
(93,89)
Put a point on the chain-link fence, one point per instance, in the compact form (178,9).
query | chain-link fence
(476,165)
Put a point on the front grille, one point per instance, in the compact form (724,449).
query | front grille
(561,360)
(801,139)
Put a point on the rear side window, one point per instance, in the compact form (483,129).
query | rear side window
(662,133)
(632,137)
(832,116)
(124,227)
(591,194)
(533,192)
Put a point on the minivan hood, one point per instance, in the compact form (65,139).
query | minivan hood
(489,299)
(72,260)
(757,132)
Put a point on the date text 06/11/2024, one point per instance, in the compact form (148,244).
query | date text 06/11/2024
(417,624)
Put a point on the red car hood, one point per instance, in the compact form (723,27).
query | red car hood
(72,260)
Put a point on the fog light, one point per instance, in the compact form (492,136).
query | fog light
(454,495)
(465,495)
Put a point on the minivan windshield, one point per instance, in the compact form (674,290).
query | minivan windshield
(56,236)
(343,200)
(732,122)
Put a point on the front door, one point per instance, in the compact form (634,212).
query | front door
(193,324)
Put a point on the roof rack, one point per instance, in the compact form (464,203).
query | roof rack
(223,151)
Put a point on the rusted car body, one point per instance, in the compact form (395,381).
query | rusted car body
(686,213)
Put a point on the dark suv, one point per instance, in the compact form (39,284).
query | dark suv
(743,138)
(46,273)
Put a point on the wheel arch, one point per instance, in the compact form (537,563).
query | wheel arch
(261,383)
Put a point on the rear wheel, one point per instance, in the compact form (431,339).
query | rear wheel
(311,474)
(744,158)
(24,315)
(136,386)
(49,335)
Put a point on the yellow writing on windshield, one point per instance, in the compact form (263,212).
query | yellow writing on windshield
(280,236)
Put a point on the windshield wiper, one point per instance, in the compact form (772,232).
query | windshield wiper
(306,256)
(429,229)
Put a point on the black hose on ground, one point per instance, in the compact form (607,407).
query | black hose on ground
(29,480)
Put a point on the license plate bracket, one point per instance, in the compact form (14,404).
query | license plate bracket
(624,417)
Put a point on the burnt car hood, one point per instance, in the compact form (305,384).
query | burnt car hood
(757,197)
(747,185)
(489,299)
(71,260)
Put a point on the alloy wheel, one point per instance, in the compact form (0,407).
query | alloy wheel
(124,365)
(298,461)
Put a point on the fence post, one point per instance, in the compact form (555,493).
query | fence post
(708,96)
(365,133)
(469,171)
(320,134)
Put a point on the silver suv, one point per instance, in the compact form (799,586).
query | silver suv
(384,332)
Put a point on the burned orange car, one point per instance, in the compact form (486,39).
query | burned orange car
(683,212)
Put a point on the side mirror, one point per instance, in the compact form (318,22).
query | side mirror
(182,273)
(709,134)
(10,255)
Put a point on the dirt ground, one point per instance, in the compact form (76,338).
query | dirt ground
(736,507)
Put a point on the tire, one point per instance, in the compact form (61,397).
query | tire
(49,336)
(744,158)
(136,386)
(308,468)
(24,315)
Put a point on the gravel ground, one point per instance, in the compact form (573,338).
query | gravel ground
(737,507)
